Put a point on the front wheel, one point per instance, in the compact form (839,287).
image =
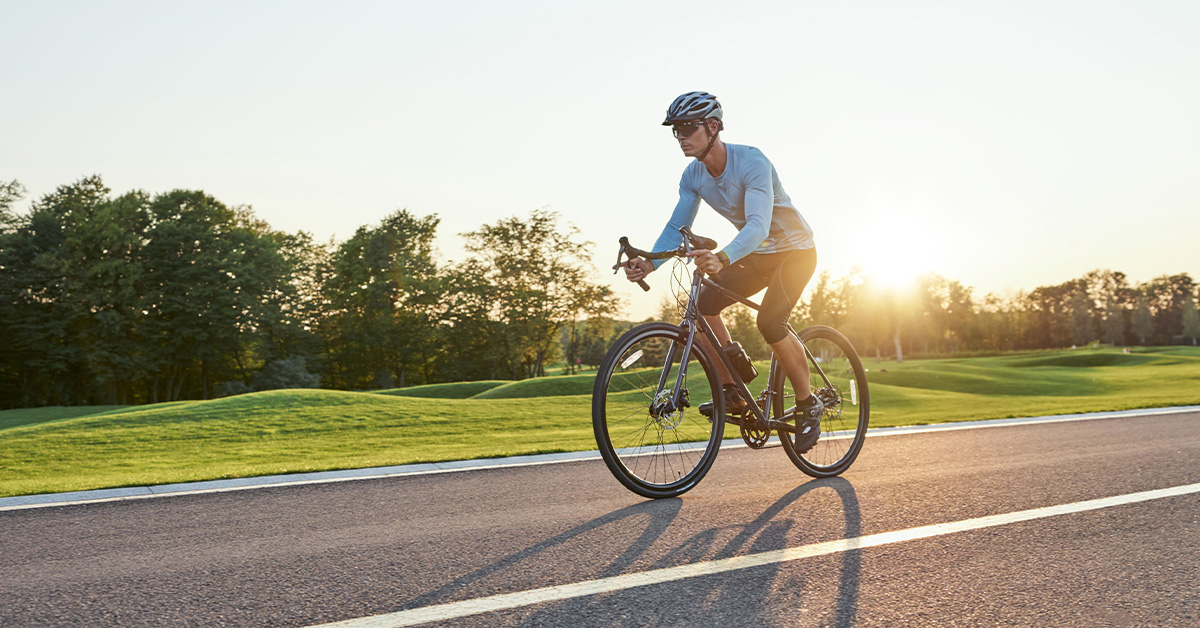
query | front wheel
(837,378)
(653,440)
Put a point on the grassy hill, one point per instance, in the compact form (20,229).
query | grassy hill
(456,390)
(288,431)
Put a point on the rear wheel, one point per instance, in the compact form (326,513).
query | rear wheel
(843,390)
(653,447)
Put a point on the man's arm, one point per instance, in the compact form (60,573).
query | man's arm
(683,216)
(759,205)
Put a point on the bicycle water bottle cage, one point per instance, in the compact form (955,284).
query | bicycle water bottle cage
(741,361)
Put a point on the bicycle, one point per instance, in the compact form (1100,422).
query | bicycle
(654,378)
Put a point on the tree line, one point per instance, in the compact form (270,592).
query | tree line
(145,298)
(158,297)
(937,316)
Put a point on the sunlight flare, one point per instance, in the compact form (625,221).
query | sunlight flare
(894,249)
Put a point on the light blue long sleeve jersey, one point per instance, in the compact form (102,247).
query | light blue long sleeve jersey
(749,195)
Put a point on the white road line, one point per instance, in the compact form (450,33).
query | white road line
(301,479)
(506,601)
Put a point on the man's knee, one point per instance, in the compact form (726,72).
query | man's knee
(772,328)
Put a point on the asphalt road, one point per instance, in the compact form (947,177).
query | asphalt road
(306,555)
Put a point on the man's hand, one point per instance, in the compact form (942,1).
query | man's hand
(637,268)
(706,260)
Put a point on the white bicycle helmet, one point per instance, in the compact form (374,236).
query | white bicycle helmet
(693,106)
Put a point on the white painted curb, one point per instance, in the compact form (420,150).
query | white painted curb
(220,486)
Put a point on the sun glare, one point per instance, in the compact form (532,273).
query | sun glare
(894,251)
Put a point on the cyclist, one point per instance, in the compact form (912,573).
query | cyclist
(773,248)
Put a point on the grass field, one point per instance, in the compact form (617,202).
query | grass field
(63,449)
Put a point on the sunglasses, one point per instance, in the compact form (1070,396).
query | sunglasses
(686,129)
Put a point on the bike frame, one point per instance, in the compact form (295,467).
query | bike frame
(693,320)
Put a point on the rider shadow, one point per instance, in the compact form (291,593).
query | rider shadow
(660,514)
(742,597)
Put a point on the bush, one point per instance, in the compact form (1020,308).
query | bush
(231,388)
(287,373)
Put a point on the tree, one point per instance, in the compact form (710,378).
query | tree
(743,328)
(823,306)
(1109,292)
(599,333)
(1114,325)
(1083,329)
(41,271)
(948,310)
(106,267)
(286,373)
(14,387)
(10,193)
(298,309)
(1190,322)
(1001,321)
(383,292)
(540,277)
(207,271)
(883,318)
(1165,296)
(467,328)
(1143,321)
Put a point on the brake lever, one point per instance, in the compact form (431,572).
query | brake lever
(698,242)
(625,251)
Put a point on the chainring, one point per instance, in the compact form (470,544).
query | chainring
(755,439)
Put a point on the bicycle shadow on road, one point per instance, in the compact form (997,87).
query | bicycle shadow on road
(660,514)
(759,596)
(772,589)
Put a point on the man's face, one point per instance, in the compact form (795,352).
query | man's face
(693,136)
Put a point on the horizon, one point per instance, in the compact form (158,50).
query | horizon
(1010,146)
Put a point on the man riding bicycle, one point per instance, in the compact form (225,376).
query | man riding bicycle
(773,249)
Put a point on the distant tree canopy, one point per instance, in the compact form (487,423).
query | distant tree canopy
(145,298)
(941,316)
(158,297)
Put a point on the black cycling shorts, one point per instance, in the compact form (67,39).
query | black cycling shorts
(783,274)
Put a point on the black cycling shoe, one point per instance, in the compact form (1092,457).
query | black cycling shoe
(734,404)
(808,422)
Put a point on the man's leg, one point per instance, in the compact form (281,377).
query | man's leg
(734,404)
(722,334)
(795,365)
(740,279)
(787,283)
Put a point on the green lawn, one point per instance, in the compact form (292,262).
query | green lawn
(63,449)
(456,390)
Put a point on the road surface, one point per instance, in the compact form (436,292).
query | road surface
(756,544)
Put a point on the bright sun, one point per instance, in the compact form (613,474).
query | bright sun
(894,251)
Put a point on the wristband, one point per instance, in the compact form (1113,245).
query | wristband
(721,255)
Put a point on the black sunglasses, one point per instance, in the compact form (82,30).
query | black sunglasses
(686,129)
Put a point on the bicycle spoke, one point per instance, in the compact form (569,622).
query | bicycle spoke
(836,377)
(658,443)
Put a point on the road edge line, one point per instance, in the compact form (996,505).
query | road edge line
(51,500)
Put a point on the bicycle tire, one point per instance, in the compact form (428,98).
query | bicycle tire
(844,422)
(668,454)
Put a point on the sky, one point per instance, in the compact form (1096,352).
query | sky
(1005,145)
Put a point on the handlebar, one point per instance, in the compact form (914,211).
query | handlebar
(690,242)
